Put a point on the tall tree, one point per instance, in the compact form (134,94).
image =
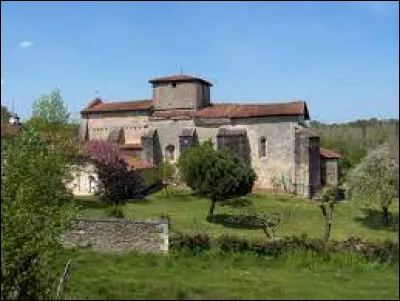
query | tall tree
(376,179)
(51,108)
(217,175)
(36,207)
(50,117)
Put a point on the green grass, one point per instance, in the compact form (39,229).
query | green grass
(211,276)
(188,213)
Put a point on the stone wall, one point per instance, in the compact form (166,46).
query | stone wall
(134,127)
(331,171)
(118,235)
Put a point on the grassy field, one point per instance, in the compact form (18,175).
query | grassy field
(188,214)
(210,276)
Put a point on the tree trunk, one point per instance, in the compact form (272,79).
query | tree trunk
(327,213)
(211,212)
(328,225)
(385,216)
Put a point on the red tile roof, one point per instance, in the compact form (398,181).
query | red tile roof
(329,154)
(178,78)
(97,105)
(253,110)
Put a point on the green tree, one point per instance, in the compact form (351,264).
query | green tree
(217,175)
(36,208)
(5,114)
(50,117)
(376,179)
(51,108)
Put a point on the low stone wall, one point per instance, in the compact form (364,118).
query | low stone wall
(118,235)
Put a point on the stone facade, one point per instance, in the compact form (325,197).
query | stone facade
(268,136)
(85,180)
(118,235)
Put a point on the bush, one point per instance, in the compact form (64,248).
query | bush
(386,251)
(115,211)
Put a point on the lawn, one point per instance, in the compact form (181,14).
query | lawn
(188,213)
(210,276)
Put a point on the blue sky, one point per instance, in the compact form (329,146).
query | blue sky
(342,58)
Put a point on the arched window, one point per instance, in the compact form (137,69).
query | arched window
(170,152)
(263,147)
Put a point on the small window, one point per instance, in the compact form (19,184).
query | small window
(170,153)
(263,147)
(173,85)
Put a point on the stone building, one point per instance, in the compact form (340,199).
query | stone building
(272,137)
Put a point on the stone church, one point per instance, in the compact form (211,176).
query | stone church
(273,137)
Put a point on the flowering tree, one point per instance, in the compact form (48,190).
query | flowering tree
(117,182)
(376,179)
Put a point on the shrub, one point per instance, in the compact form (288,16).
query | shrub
(386,251)
(115,211)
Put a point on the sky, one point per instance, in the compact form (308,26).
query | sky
(342,58)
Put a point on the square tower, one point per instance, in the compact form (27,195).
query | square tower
(180,92)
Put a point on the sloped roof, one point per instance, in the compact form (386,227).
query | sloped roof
(179,78)
(329,154)
(97,105)
(254,110)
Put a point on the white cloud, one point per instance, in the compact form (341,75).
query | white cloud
(25,44)
(382,7)
(2,81)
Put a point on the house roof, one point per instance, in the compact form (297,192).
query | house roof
(253,110)
(329,154)
(179,78)
(97,105)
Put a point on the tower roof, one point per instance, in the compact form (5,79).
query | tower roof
(179,78)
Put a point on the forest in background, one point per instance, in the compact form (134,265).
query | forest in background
(354,139)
